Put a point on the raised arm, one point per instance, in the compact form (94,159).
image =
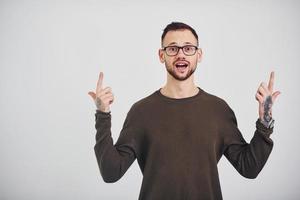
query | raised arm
(249,159)
(113,160)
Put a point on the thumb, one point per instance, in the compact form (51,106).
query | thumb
(93,95)
(275,95)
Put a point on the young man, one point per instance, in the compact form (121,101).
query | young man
(179,132)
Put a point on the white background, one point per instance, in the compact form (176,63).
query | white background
(51,53)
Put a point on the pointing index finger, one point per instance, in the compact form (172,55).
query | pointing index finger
(271,82)
(100,80)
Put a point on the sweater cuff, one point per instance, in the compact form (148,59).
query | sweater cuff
(262,129)
(101,114)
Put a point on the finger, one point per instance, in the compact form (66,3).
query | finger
(93,95)
(262,91)
(271,82)
(100,80)
(104,91)
(259,98)
(109,99)
(275,95)
(107,95)
(265,87)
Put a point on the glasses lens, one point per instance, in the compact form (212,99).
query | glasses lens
(189,50)
(172,50)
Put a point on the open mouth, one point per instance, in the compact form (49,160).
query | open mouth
(181,67)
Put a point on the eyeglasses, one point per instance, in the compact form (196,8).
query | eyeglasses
(188,50)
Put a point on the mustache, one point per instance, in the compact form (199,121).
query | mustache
(180,59)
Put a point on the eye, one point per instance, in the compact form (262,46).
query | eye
(188,48)
(173,49)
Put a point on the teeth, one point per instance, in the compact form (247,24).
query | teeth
(181,65)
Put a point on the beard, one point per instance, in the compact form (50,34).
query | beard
(172,72)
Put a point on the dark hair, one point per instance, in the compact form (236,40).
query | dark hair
(177,26)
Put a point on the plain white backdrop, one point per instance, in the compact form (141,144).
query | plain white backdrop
(51,53)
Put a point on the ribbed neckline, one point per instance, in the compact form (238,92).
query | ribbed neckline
(170,99)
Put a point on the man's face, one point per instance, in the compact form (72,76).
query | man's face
(180,66)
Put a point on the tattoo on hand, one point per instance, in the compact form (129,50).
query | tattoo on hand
(98,102)
(267,109)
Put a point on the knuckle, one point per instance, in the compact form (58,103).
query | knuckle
(107,90)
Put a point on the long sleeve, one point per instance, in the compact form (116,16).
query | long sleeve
(114,160)
(248,159)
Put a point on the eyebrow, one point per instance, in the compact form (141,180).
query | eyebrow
(172,43)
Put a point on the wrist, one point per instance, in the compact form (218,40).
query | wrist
(267,124)
(103,110)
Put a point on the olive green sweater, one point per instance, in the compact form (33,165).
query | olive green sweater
(178,143)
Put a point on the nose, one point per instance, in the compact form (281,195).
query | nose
(180,53)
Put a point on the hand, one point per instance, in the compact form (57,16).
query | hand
(103,96)
(266,99)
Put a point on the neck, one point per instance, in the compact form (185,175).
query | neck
(179,89)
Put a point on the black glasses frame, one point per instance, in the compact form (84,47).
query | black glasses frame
(178,48)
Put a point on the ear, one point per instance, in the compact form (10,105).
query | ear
(161,55)
(199,55)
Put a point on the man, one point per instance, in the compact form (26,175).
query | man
(179,133)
